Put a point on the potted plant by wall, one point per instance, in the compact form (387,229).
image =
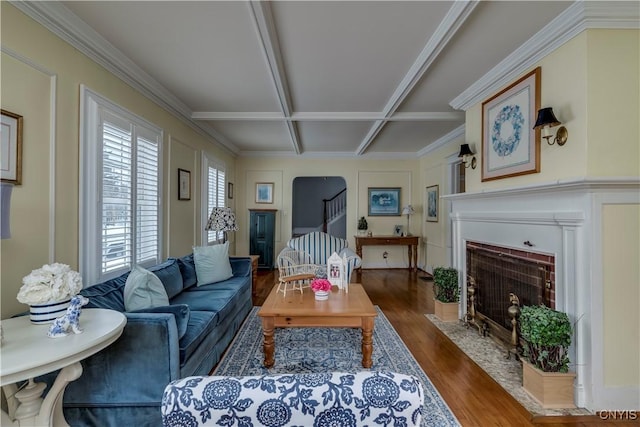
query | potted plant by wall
(362,226)
(545,368)
(447,293)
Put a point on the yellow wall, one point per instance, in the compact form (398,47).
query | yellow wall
(621,274)
(613,69)
(26,91)
(434,169)
(593,86)
(563,87)
(358,175)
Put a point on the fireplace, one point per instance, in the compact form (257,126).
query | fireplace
(560,226)
(496,272)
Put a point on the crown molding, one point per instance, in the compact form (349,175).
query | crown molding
(55,17)
(623,183)
(442,141)
(578,17)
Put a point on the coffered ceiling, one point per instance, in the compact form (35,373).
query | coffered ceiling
(337,78)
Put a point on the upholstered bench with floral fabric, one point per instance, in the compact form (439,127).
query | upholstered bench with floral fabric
(321,399)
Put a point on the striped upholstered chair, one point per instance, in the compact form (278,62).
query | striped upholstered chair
(320,246)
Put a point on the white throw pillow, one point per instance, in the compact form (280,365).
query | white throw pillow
(212,263)
(143,289)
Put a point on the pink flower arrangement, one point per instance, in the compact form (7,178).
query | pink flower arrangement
(320,285)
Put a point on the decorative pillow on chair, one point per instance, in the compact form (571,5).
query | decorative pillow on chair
(212,263)
(143,289)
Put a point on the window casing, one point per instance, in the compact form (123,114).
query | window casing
(120,190)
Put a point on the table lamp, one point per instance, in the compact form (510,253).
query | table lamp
(222,219)
(408,211)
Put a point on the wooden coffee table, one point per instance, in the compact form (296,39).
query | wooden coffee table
(351,309)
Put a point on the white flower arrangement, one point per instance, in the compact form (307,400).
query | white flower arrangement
(54,282)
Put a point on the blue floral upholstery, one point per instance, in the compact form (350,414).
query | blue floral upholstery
(318,399)
(321,246)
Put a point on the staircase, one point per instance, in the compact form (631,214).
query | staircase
(334,209)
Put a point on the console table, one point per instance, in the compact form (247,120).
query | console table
(27,352)
(410,241)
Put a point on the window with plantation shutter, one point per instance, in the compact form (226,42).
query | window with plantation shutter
(120,190)
(214,192)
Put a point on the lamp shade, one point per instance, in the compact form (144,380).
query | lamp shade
(465,150)
(546,118)
(5,209)
(222,219)
(408,210)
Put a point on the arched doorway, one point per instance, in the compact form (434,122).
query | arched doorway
(319,203)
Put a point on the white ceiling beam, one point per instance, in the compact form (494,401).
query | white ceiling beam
(233,115)
(266,31)
(330,116)
(453,20)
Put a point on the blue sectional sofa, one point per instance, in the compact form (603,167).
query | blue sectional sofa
(123,384)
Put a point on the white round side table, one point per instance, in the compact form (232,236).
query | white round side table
(27,352)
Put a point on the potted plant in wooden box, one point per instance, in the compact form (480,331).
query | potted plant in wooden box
(447,293)
(545,368)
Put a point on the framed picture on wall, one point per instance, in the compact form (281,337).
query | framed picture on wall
(184,184)
(264,192)
(11,150)
(230,190)
(384,201)
(432,203)
(510,145)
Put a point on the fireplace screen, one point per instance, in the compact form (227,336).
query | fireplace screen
(497,274)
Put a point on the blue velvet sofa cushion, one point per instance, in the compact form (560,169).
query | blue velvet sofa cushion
(109,294)
(219,297)
(169,274)
(181,312)
(188,270)
(201,325)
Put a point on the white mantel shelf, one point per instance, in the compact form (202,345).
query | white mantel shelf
(562,218)
(573,184)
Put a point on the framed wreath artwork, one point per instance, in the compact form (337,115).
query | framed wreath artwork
(510,145)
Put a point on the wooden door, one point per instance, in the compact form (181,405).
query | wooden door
(262,236)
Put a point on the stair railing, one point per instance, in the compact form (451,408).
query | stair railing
(333,207)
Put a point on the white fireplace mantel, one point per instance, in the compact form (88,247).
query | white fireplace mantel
(562,219)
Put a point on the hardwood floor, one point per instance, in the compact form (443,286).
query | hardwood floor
(473,396)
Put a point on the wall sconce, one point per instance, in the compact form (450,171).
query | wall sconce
(465,152)
(546,120)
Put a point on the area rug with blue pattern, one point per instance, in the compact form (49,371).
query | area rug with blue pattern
(304,350)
